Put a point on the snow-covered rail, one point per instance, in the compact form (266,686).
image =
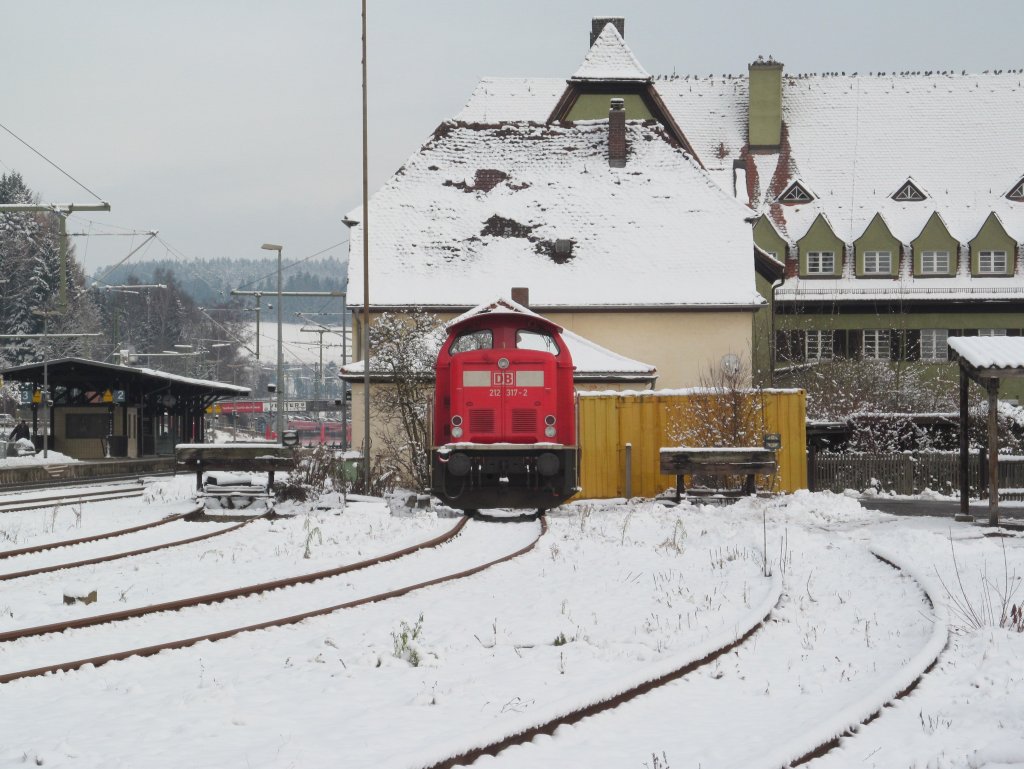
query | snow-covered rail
(817,742)
(114,556)
(70,496)
(707,712)
(275,608)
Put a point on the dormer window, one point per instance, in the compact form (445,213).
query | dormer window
(909,192)
(795,195)
(1017,193)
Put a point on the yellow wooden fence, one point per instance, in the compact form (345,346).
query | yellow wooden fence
(649,420)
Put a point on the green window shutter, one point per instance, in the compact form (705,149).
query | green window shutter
(895,348)
(855,342)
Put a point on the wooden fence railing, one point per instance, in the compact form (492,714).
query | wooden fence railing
(909,473)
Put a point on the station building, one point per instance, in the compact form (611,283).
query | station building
(100,410)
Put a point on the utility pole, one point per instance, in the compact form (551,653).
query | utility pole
(62,211)
(279,294)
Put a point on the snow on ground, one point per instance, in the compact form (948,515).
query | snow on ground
(611,593)
(51,458)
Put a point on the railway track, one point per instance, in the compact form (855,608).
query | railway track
(648,701)
(107,557)
(233,614)
(70,496)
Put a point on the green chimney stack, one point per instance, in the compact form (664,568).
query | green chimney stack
(764,117)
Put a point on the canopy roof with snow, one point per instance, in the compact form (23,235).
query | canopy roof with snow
(994,356)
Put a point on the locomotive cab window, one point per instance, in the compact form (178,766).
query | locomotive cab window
(472,340)
(535,340)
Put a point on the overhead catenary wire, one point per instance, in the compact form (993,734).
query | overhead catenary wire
(40,154)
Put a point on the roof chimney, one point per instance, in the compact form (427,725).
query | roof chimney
(764,116)
(521,296)
(598,23)
(617,134)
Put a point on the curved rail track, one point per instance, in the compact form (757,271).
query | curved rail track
(812,744)
(172,606)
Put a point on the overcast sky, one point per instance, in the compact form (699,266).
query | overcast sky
(228,123)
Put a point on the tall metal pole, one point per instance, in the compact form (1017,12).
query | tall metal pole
(366,275)
(280,345)
(280,356)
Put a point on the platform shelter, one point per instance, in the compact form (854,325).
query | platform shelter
(108,410)
(986,361)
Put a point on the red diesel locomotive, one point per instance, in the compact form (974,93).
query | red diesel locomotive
(504,428)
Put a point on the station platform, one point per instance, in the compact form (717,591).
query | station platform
(21,475)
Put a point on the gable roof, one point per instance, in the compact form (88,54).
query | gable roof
(480,208)
(610,59)
(592,362)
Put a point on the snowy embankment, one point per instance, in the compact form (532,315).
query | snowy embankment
(612,594)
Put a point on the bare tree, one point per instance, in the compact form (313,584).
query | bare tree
(724,412)
(404,350)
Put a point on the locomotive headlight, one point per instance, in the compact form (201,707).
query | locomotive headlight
(456,426)
(503,363)
(456,432)
(549,431)
(457,420)
(549,419)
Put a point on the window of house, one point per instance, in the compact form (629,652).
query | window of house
(818,345)
(991,262)
(1017,193)
(909,192)
(796,194)
(933,344)
(821,263)
(935,262)
(876,344)
(877,262)
(991,332)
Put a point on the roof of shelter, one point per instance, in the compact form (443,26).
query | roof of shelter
(83,373)
(996,355)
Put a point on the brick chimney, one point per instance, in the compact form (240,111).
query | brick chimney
(617,134)
(598,23)
(521,295)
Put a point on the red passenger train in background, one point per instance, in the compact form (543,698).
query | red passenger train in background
(504,426)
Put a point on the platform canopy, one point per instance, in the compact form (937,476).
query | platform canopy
(90,376)
(985,360)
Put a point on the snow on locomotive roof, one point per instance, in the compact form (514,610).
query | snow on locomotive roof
(591,360)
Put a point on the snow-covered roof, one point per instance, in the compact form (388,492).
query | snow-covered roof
(500,99)
(858,138)
(990,352)
(480,207)
(609,58)
(591,360)
(63,364)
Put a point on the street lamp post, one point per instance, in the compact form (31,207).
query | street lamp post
(280,345)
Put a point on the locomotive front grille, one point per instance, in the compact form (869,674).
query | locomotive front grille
(481,420)
(524,420)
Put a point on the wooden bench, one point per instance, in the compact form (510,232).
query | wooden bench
(683,460)
(239,457)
